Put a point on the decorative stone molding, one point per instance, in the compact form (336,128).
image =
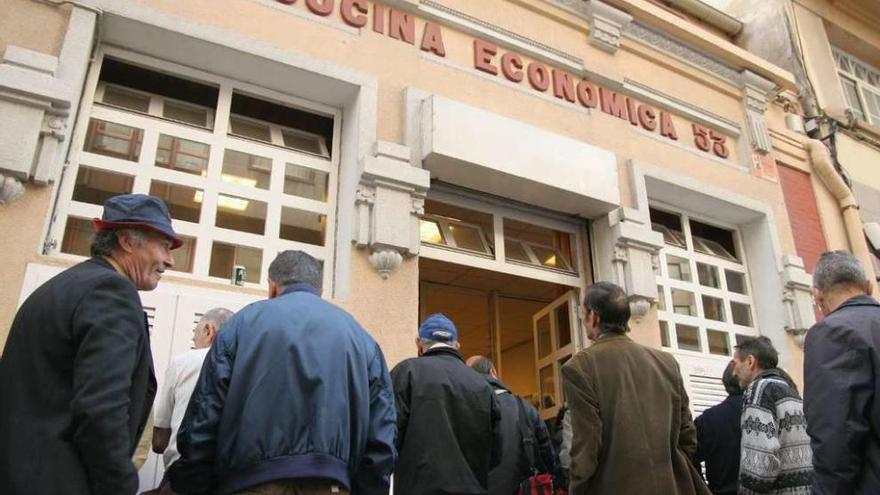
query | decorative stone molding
(10,189)
(757,91)
(389,201)
(797,299)
(639,307)
(635,250)
(606,25)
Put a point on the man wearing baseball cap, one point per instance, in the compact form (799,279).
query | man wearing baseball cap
(76,376)
(447,418)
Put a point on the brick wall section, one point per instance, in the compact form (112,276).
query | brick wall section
(800,201)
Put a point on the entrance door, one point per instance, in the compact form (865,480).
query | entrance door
(553,331)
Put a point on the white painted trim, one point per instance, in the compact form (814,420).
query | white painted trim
(663,100)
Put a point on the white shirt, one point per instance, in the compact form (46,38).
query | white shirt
(180,381)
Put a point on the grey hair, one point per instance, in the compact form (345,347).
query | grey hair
(428,343)
(105,241)
(217,316)
(838,268)
(295,267)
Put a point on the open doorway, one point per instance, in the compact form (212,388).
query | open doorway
(527,327)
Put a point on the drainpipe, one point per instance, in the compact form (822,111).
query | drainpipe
(824,168)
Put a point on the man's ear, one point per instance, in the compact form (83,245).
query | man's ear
(273,289)
(869,289)
(210,331)
(125,242)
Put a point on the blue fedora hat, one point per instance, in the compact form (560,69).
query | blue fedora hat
(138,211)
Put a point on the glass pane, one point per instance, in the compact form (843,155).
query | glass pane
(457,215)
(186,113)
(249,128)
(183,155)
(305,182)
(708,275)
(664,334)
(712,248)
(303,226)
(245,215)
(224,257)
(718,342)
(740,338)
(548,387)
(95,186)
(679,268)
(467,237)
(668,224)
(688,337)
(246,170)
(514,250)
(429,231)
(563,326)
(661,298)
(184,255)
(184,203)
(124,98)
(304,142)
(852,97)
(544,345)
(550,257)
(116,140)
(742,313)
(736,282)
(713,308)
(77,236)
(683,302)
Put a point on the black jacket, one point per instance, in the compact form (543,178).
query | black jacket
(718,439)
(76,386)
(292,388)
(513,469)
(842,398)
(447,422)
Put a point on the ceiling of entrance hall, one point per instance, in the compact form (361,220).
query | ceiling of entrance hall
(474,278)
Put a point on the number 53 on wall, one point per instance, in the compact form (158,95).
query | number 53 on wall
(708,140)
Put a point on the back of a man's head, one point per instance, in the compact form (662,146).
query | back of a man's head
(609,301)
(481,364)
(839,270)
(295,267)
(761,349)
(731,383)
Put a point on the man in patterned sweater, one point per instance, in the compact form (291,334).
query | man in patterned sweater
(775,456)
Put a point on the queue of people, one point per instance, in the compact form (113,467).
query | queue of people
(290,395)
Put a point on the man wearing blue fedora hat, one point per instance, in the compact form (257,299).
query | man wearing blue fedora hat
(76,376)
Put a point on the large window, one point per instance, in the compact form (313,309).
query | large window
(861,85)
(704,303)
(245,173)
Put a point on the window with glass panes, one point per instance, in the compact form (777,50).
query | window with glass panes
(861,85)
(704,298)
(246,173)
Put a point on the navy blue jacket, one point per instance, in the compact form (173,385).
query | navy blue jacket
(292,388)
(842,398)
(718,438)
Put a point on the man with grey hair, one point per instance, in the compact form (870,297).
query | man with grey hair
(294,398)
(842,379)
(180,380)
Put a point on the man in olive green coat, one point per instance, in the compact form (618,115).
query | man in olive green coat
(633,432)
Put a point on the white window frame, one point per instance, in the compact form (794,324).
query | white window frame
(862,85)
(497,262)
(144,171)
(668,283)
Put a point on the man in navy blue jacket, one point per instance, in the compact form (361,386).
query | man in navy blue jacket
(718,438)
(294,397)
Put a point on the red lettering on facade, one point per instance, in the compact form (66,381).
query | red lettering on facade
(586,94)
(647,117)
(432,40)
(701,137)
(631,111)
(402,26)
(539,76)
(348,8)
(379,18)
(719,145)
(320,7)
(613,103)
(287,2)
(511,67)
(483,54)
(563,85)
(667,128)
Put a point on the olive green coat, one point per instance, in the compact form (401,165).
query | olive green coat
(633,431)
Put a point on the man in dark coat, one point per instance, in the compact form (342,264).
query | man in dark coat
(294,397)
(516,414)
(718,438)
(447,418)
(842,379)
(76,376)
(632,428)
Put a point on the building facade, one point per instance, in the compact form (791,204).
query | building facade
(488,160)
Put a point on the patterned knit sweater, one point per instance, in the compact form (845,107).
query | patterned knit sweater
(775,456)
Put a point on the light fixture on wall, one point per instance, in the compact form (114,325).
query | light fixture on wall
(11,189)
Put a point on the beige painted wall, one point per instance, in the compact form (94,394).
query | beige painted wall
(33,25)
